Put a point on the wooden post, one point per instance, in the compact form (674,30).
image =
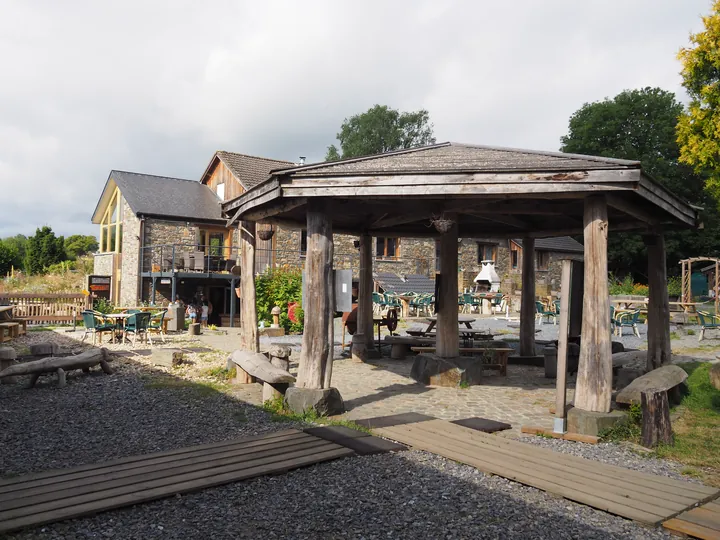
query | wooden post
(656,427)
(448,338)
(717,287)
(318,310)
(594,379)
(560,396)
(527,299)
(658,316)
(249,338)
(365,290)
(577,285)
(327,368)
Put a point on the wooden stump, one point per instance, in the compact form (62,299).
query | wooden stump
(194,329)
(44,349)
(7,358)
(656,427)
(61,378)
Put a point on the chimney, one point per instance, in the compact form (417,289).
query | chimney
(302,160)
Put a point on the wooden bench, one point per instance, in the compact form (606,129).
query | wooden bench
(498,361)
(271,368)
(8,331)
(400,345)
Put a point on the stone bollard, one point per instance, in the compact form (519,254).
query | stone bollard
(276,317)
(7,359)
(279,355)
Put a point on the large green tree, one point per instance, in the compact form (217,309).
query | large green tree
(381,129)
(79,244)
(43,249)
(698,131)
(8,256)
(17,244)
(641,125)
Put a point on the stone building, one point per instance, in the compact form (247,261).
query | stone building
(162,236)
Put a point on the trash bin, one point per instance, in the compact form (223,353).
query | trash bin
(550,354)
(176,318)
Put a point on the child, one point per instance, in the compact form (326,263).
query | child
(191,312)
(205,313)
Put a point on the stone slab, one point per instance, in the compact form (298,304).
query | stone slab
(662,378)
(325,401)
(167,357)
(482,424)
(335,433)
(592,423)
(365,446)
(393,420)
(434,370)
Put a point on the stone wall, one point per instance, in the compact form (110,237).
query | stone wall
(103,264)
(130,272)
(167,233)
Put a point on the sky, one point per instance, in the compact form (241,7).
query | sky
(158,86)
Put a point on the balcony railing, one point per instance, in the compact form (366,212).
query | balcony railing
(189,258)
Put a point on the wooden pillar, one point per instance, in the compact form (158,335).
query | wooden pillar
(527,299)
(577,286)
(365,290)
(448,342)
(318,310)
(594,379)
(717,287)
(561,391)
(327,368)
(249,338)
(658,317)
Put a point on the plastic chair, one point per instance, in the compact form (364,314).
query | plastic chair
(137,324)
(612,319)
(470,302)
(95,325)
(627,319)
(156,324)
(708,321)
(541,311)
(378,302)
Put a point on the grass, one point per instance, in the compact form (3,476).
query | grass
(690,332)
(674,335)
(696,431)
(219,373)
(280,413)
(464,385)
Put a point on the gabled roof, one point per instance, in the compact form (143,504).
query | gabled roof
(417,283)
(249,170)
(457,158)
(161,196)
(561,244)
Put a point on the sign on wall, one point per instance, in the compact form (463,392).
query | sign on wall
(99,286)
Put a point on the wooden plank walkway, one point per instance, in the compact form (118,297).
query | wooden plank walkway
(702,522)
(44,497)
(631,494)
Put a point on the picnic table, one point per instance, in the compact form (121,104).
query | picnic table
(462,319)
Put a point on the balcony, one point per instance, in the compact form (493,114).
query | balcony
(190,260)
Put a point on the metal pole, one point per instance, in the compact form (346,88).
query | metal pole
(154,288)
(232,303)
(174,287)
(172,269)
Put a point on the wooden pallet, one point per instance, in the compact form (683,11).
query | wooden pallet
(702,522)
(45,497)
(631,494)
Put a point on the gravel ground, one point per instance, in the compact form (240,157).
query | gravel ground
(613,454)
(406,495)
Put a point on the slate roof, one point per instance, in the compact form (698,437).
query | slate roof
(250,170)
(458,158)
(563,244)
(417,283)
(162,196)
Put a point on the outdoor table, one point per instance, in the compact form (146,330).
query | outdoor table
(404,304)
(462,319)
(468,334)
(120,319)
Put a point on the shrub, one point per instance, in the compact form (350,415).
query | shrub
(626,286)
(103,305)
(675,286)
(278,287)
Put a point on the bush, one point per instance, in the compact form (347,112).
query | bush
(626,286)
(279,287)
(103,305)
(675,286)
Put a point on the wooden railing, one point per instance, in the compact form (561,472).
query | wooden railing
(46,308)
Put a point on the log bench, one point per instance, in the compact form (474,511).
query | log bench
(498,361)
(400,345)
(271,368)
(8,331)
(59,365)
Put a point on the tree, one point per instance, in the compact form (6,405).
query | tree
(381,129)
(698,130)
(43,249)
(17,244)
(640,125)
(8,255)
(78,245)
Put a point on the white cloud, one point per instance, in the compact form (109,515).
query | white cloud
(157,86)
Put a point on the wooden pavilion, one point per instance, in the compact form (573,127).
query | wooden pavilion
(453,190)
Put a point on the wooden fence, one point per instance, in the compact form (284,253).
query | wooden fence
(46,308)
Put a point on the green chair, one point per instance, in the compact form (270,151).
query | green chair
(470,302)
(391,301)
(708,321)
(378,302)
(612,319)
(541,312)
(95,325)
(137,324)
(627,319)
(156,324)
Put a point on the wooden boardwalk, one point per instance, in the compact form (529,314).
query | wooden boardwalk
(631,494)
(702,522)
(36,499)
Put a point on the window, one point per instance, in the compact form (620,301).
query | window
(303,243)
(542,260)
(486,252)
(221,191)
(515,251)
(387,248)
(111,225)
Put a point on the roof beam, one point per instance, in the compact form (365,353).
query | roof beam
(260,214)
(634,211)
(505,220)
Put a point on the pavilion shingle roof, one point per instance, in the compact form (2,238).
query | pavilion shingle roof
(455,158)
(561,244)
(168,197)
(250,170)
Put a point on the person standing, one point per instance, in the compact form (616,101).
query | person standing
(204,313)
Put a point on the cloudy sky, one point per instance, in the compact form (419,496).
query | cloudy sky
(157,86)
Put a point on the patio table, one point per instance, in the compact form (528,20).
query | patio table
(462,319)
(120,319)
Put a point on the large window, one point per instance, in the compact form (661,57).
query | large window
(486,252)
(111,225)
(303,243)
(387,247)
